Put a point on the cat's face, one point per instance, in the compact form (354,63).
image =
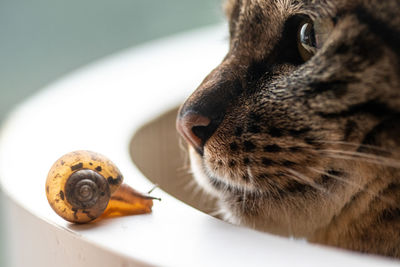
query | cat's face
(274,129)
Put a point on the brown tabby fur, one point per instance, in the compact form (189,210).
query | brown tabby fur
(306,149)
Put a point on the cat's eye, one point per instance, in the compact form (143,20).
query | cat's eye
(307,43)
(312,35)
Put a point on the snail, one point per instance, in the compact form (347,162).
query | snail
(83,185)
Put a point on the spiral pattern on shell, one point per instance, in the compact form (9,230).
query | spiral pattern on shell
(87,189)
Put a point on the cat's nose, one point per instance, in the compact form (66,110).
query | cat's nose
(195,128)
(202,113)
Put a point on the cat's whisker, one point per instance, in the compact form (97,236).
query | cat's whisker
(196,189)
(343,180)
(189,185)
(304,179)
(182,176)
(355,153)
(352,144)
(185,168)
(244,201)
(183,172)
(252,180)
(289,221)
(377,160)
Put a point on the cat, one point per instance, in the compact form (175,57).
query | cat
(297,131)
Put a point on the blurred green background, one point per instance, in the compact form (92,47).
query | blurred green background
(42,40)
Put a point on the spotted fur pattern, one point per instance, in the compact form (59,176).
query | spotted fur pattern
(306,149)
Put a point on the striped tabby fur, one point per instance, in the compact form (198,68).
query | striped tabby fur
(306,148)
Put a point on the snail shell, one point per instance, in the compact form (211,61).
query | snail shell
(79,185)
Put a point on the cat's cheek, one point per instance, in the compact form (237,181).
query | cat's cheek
(196,165)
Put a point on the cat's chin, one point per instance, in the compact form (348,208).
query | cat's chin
(235,212)
(199,174)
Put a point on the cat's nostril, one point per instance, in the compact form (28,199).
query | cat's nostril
(195,128)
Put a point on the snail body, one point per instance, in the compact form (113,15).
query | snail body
(79,185)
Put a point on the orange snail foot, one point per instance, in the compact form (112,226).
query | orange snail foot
(127,201)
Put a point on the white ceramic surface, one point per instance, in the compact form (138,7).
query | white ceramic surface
(99,108)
